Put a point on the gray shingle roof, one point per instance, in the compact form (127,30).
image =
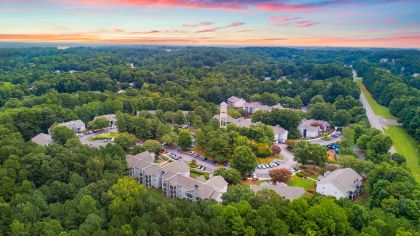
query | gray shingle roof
(217,182)
(343,179)
(281,189)
(73,124)
(42,139)
(140,160)
(278,129)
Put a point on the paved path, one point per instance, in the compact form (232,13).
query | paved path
(375,121)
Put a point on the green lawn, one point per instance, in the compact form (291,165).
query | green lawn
(300,182)
(377,108)
(104,136)
(407,146)
(196,173)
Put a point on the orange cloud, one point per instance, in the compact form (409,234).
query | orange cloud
(403,41)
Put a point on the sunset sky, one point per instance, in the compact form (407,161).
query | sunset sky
(355,23)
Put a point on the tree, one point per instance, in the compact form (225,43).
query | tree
(306,152)
(124,193)
(321,111)
(328,218)
(380,144)
(100,123)
(179,118)
(279,175)
(347,139)
(244,160)
(171,138)
(152,146)
(218,148)
(125,140)
(317,99)
(341,118)
(236,193)
(232,176)
(276,149)
(60,134)
(184,139)
(398,158)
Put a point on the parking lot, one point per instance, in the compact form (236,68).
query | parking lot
(86,138)
(210,165)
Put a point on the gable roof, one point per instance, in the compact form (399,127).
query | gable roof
(176,167)
(278,129)
(202,190)
(234,99)
(343,179)
(140,160)
(42,139)
(281,189)
(217,182)
(73,123)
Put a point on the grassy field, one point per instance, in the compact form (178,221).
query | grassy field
(300,182)
(104,136)
(377,108)
(407,146)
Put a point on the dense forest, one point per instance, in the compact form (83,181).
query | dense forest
(401,93)
(72,189)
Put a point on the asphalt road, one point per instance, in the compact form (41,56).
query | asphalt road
(375,121)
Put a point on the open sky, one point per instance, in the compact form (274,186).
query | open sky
(355,23)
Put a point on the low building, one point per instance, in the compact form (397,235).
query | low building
(112,118)
(341,183)
(42,139)
(282,189)
(241,122)
(252,107)
(77,126)
(174,178)
(236,102)
(280,134)
(312,128)
(309,131)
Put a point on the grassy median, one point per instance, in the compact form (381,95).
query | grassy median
(377,108)
(407,146)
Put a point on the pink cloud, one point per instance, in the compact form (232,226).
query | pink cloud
(284,7)
(198,25)
(305,24)
(390,20)
(215,29)
(286,21)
